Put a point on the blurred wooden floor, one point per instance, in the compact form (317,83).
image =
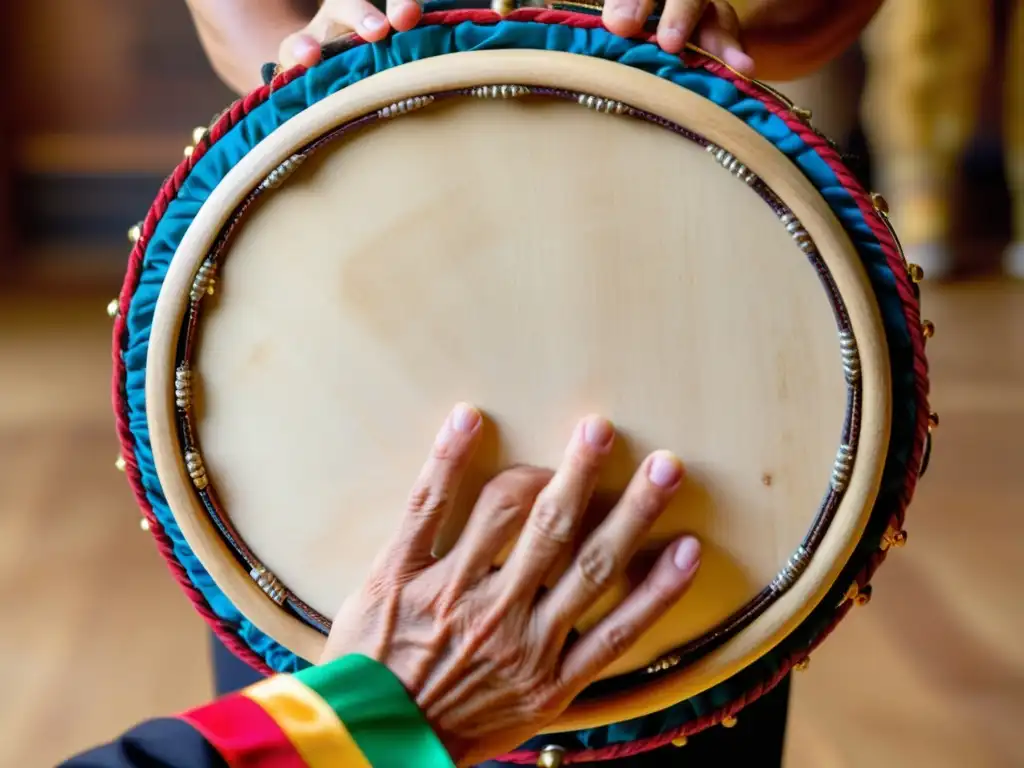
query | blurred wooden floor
(95,635)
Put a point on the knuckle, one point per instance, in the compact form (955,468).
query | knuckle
(597,565)
(500,498)
(428,501)
(647,505)
(551,519)
(617,639)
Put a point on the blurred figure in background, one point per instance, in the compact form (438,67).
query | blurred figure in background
(926,60)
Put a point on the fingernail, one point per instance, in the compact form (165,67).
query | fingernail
(665,470)
(627,11)
(598,432)
(372,23)
(465,418)
(671,40)
(687,554)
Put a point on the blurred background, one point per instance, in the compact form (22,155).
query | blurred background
(100,98)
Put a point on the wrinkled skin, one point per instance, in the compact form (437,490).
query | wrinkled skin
(481,648)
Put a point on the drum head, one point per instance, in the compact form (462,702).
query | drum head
(415,239)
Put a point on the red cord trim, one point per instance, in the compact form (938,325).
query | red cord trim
(225,631)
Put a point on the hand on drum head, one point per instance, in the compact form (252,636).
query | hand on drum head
(482,650)
(712,24)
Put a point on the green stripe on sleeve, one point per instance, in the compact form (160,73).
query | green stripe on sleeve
(376,709)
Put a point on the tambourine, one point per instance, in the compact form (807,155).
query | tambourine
(526,212)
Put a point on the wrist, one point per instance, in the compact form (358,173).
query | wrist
(378,713)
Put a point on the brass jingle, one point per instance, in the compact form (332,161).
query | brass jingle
(851,593)
(894,538)
(927,328)
(916,272)
(933,420)
(198,134)
(551,756)
(803,664)
(880,204)
(113,308)
(144,524)
(189,150)
(120,465)
(134,233)
(679,741)
(729,721)
(864,596)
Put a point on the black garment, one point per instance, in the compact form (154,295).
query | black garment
(757,740)
(154,743)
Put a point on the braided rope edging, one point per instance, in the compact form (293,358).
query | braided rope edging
(168,191)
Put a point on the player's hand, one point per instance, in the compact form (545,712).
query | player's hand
(481,649)
(341,17)
(711,24)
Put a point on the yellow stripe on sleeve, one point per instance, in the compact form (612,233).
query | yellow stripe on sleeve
(320,738)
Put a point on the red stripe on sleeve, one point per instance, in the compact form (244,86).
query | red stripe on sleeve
(244,734)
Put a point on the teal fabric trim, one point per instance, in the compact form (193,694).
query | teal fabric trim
(360,62)
(383,720)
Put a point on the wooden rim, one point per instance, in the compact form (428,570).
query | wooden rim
(611,81)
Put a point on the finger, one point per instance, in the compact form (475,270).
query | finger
(300,48)
(626,18)
(498,516)
(607,552)
(666,583)
(559,508)
(436,486)
(678,22)
(337,18)
(719,35)
(403,14)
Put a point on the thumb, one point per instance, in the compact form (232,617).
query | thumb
(300,48)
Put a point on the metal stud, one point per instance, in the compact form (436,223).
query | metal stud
(916,272)
(729,721)
(120,464)
(144,524)
(552,756)
(927,328)
(893,539)
(113,308)
(880,204)
(134,233)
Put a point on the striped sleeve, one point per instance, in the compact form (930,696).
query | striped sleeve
(350,713)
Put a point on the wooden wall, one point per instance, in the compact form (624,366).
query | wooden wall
(102,98)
